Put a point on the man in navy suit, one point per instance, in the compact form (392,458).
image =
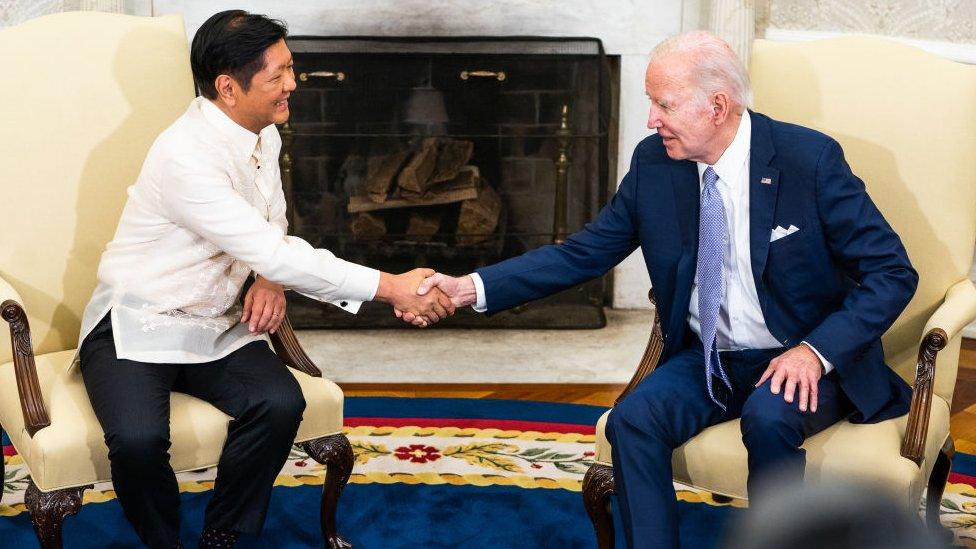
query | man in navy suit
(775,276)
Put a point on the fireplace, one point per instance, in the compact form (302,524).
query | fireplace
(450,153)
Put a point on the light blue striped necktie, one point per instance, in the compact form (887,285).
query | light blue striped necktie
(713,239)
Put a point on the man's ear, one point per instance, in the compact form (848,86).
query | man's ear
(720,107)
(227,89)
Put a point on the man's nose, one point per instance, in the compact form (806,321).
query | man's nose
(290,84)
(653,120)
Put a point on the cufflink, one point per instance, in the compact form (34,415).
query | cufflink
(343,303)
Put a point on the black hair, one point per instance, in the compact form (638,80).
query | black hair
(232,42)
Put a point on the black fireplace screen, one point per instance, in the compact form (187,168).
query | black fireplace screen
(449,153)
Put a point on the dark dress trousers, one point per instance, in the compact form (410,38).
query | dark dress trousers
(132,403)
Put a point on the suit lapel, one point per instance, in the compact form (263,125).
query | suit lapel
(763,189)
(685,186)
(686,192)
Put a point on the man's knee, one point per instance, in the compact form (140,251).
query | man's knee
(767,416)
(640,412)
(138,447)
(282,404)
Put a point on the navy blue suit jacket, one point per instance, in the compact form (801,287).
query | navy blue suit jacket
(837,283)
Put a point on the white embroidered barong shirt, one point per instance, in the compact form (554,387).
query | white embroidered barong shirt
(205,211)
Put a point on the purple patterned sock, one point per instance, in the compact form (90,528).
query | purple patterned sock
(215,538)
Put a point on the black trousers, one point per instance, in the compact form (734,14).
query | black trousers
(132,402)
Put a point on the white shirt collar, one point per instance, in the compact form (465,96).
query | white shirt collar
(730,163)
(242,139)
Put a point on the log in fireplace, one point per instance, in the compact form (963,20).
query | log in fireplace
(450,153)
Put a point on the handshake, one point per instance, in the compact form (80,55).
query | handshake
(422,296)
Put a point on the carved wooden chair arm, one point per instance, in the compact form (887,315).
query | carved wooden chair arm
(956,311)
(290,351)
(25,372)
(913,443)
(652,354)
(284,342)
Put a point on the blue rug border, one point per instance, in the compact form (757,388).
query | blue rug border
(465,408)
(964,464)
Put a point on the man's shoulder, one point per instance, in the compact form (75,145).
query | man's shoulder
(189,137)
(792,139)
(651,150)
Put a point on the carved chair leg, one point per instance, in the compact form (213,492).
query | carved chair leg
(937,482)
(48,509)
(597,487)
(335,453)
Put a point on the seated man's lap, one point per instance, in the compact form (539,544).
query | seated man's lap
(133,397)
(672,402)
(765,410)
(248,376)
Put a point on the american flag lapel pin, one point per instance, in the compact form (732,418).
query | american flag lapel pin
(766,181)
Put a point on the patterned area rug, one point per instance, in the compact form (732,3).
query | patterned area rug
(436,472)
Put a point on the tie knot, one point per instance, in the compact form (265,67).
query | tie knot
(709,177)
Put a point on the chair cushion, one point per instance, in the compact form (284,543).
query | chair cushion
(715,459)
(72,452)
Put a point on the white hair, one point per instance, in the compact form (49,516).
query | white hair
(715,65)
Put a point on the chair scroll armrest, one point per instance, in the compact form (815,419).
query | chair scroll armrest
(913,443)
(290,351)
(652,354)
(958,310)
(25,372)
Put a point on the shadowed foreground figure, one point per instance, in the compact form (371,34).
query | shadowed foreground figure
(849,515)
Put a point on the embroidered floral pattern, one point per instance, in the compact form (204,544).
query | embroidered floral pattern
(15,479)
(364,450)
(152,320)
(958,511)
(417,453)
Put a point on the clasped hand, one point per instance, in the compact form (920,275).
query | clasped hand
(264,303)
(459,292)
(402,291)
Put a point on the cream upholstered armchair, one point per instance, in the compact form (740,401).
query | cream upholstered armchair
(907,122)
(84,96)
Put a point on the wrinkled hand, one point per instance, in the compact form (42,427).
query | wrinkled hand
(401,292)
(800,368)
(264,306)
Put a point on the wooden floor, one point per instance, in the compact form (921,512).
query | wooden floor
(963,423)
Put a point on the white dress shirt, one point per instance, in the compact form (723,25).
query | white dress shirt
(740,320)
(205,211)
(741,324)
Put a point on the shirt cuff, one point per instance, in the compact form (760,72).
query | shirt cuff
(359,285)
(827,366)
(480,305)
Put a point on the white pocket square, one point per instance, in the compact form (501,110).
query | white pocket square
(780,232)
